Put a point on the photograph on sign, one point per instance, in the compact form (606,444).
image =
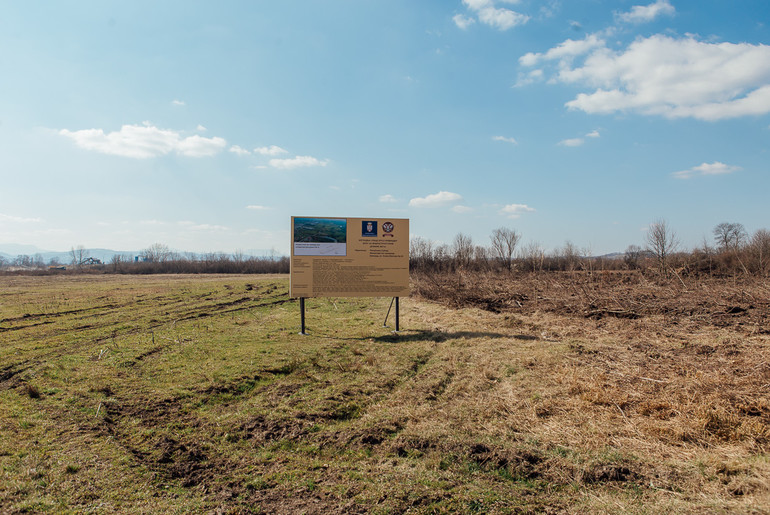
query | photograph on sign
(349,257)
(320,237)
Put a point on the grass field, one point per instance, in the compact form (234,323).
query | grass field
(190,394)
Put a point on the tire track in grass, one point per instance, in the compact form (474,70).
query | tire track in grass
(205,311)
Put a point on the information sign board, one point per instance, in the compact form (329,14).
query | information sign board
(349,257)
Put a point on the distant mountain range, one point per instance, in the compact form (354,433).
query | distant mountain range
(9,252)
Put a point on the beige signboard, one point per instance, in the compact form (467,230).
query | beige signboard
(349,257)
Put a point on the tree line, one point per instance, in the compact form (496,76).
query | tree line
(158,258)
(732,251)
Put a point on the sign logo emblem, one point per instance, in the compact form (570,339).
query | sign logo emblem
(388,228)
(369,228)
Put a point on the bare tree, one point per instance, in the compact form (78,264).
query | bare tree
(481,255)
(420,252)
(79,255)
(442,255)
(157,253)
(504,241)
(729,236)
(215,257)
(119,261)
(760,249)
(632,256)
(569,256)
(662,242)
(534,255)
(462,250)
(22,260)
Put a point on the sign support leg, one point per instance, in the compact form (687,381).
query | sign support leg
(302,315)
(396,314)
(385,323)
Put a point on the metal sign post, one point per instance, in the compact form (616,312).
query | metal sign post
(385,323)
(396,314)
(302,314)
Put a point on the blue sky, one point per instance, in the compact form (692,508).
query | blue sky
(205,126)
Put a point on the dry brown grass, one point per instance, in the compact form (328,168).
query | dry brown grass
(677,394)
(607,294)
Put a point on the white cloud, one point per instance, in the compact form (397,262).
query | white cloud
(198,146)
(574,142)
(645,13)
(18,219)
(178,102)
(144,141)
(477,4)
(507,140)
(666,76)
(528,78)
(439,199)
(258,208)
(235,149)
(462,209)
(388,199)
(565,51)
(463,21)
(297,162)
(516,210)
(715,168)
(272,150)
(486,12)
(501,19)
(201,128)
